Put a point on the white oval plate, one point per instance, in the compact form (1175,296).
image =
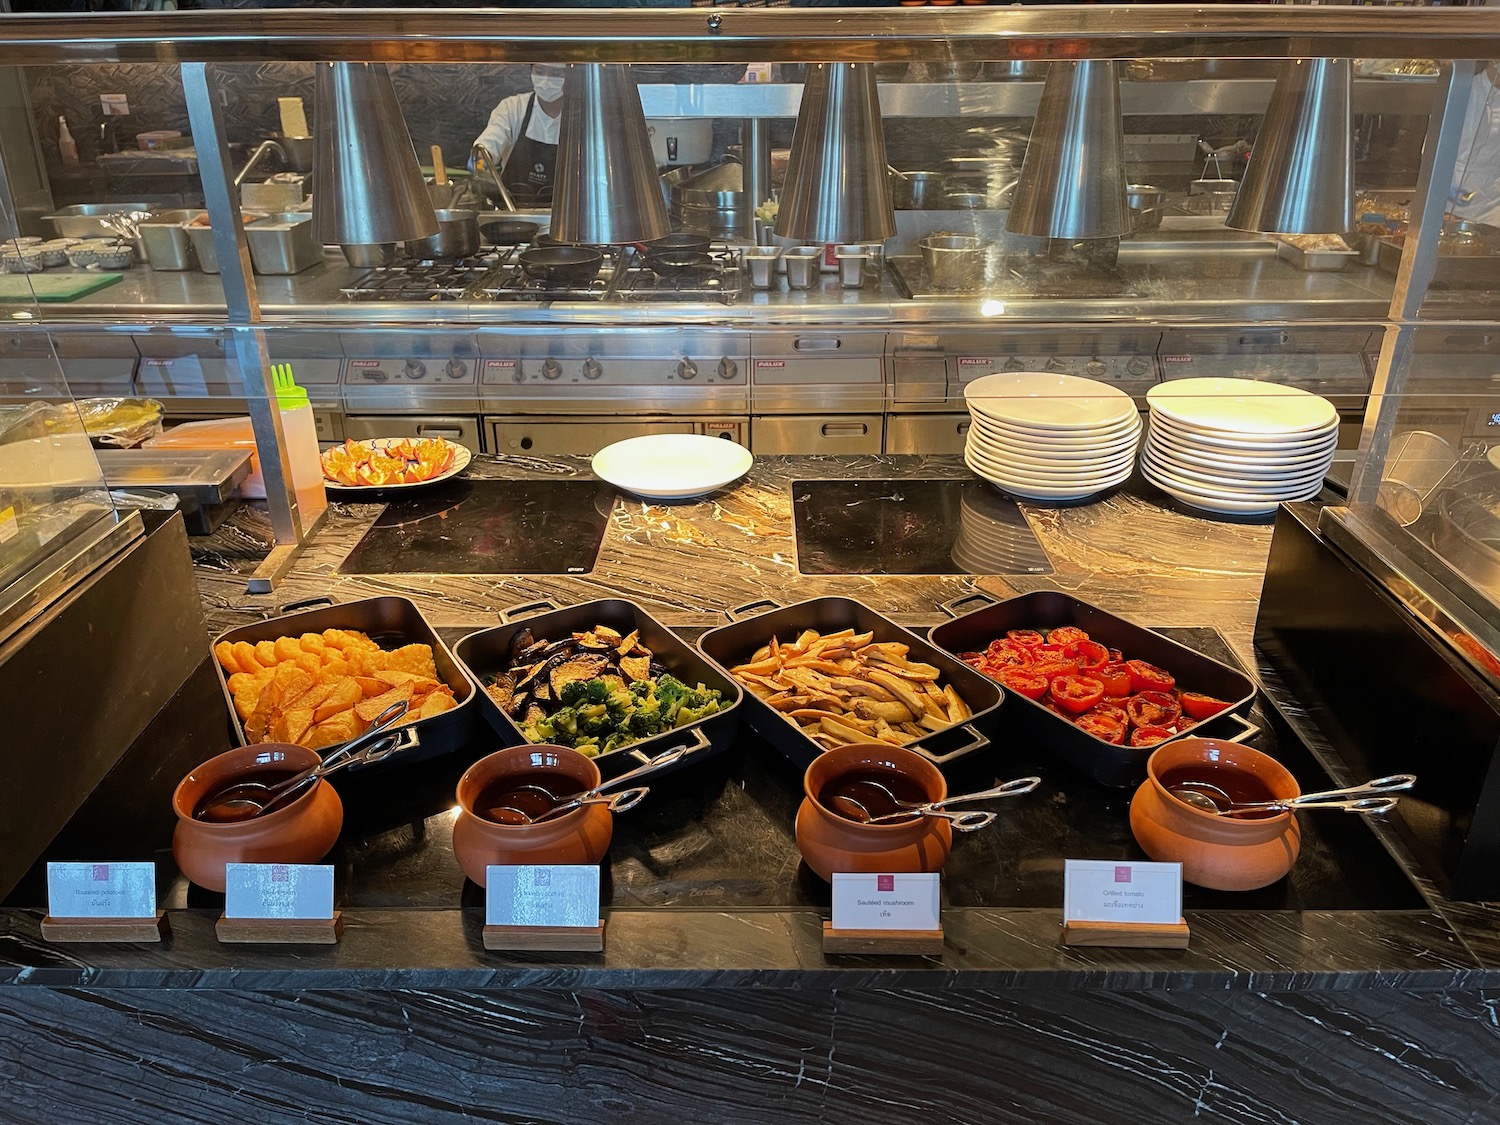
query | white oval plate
(1240,443)
(1242,406)
(672,466)
(1220,507)
(1047,400)
(1073,447)
(1217,460)
(1292,490)
(1039,492)
(1050,474)
(461,459)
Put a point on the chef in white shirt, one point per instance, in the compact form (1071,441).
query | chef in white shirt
(1476,195)
(521,137)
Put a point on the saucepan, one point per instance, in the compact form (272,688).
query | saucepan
(457,236)
(562,266)
(509,232)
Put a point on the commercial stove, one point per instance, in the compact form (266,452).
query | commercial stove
(496,275)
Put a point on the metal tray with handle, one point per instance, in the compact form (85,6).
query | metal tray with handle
(391,622)
(736,643)
(488,651)
(1104,762)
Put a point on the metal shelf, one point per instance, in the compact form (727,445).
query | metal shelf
(1019,99)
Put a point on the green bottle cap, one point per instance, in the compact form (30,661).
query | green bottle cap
(289,396)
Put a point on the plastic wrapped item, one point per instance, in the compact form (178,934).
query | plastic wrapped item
(144,499)
(120,422)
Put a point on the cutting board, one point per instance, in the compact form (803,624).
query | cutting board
(53,286)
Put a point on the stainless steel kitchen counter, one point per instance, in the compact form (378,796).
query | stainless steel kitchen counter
(1163,283)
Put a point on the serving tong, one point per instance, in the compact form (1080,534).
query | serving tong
(1369,798)
(905,810)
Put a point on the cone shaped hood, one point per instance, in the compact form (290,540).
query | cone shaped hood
(837,189)
(1072,182)
(368,186)
(607,190)
(1300,179)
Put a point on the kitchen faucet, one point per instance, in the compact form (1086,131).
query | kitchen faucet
(255,158)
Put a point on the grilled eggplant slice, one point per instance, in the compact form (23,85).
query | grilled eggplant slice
(584,666)
(502,689)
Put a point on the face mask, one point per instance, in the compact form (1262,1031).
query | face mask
(548,89)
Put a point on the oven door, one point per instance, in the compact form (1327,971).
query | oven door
(557,435)
(455,427)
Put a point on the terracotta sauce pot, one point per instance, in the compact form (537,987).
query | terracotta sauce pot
(580,836)
(830,842)
(1219,852)
(302,831)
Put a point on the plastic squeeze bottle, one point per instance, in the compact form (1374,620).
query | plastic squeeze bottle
(67,147)
(301,443)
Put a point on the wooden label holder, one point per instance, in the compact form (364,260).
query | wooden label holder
(280,931)
(903,943)
(547,939)
(106,929)
(1128,935)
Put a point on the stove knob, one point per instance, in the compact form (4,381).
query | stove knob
(1055,364)
(1095,366)
(415,369)
(518,373)
(551,369)
(1140,365)
(456,368)
(687,369)
(591,368)
(1013,364)
(728,369)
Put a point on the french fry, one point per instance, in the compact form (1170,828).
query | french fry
(844,687)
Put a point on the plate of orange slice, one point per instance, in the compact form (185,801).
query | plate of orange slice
(385,463)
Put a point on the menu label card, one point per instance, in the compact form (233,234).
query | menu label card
(551,894)
(885,902)
(300,891)
(101,890)
(1105,891)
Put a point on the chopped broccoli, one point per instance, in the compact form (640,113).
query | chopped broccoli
(641,687)
(598,690)
(601,715)
(573,693)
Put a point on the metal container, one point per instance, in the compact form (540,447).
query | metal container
(168,246)
(714,202)
(735,643)
(953,261)
(283,244)
(761,262)
(803,265)
(964,201)
(83,220)
(202,239)
(852,261)
(488,651)
(1144,203)
(1015,70)
(391,622)
(1321,260)
(916,191)
(457,237)
(1028,722)
(1468,529)
(300,152)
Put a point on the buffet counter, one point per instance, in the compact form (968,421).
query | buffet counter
(1367,1008)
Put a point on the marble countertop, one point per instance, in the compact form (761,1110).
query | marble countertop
(1130,553)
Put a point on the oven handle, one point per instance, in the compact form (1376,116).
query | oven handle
(526,609)
(452,433)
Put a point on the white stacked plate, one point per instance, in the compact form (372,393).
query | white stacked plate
(1238,446)
(1044,436)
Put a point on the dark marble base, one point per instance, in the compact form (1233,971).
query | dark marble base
(751,1057)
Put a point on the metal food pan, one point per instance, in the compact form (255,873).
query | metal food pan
(737,642)
(1314,260)
(487,651)
(391,622)
(1104,762)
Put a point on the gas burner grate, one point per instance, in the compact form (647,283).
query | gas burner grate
(497,276)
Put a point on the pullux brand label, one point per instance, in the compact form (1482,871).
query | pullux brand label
(770,363)
(1106,891)
(101,890)
(278,890)
(364,363)
(542,895)
(975,361)
(885,901)
(1177,359)
(499,363)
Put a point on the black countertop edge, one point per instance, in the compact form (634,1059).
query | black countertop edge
(664,949)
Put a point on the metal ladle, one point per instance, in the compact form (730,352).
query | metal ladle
(964,822)
(588,796)
(248,799)
(1210,798)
